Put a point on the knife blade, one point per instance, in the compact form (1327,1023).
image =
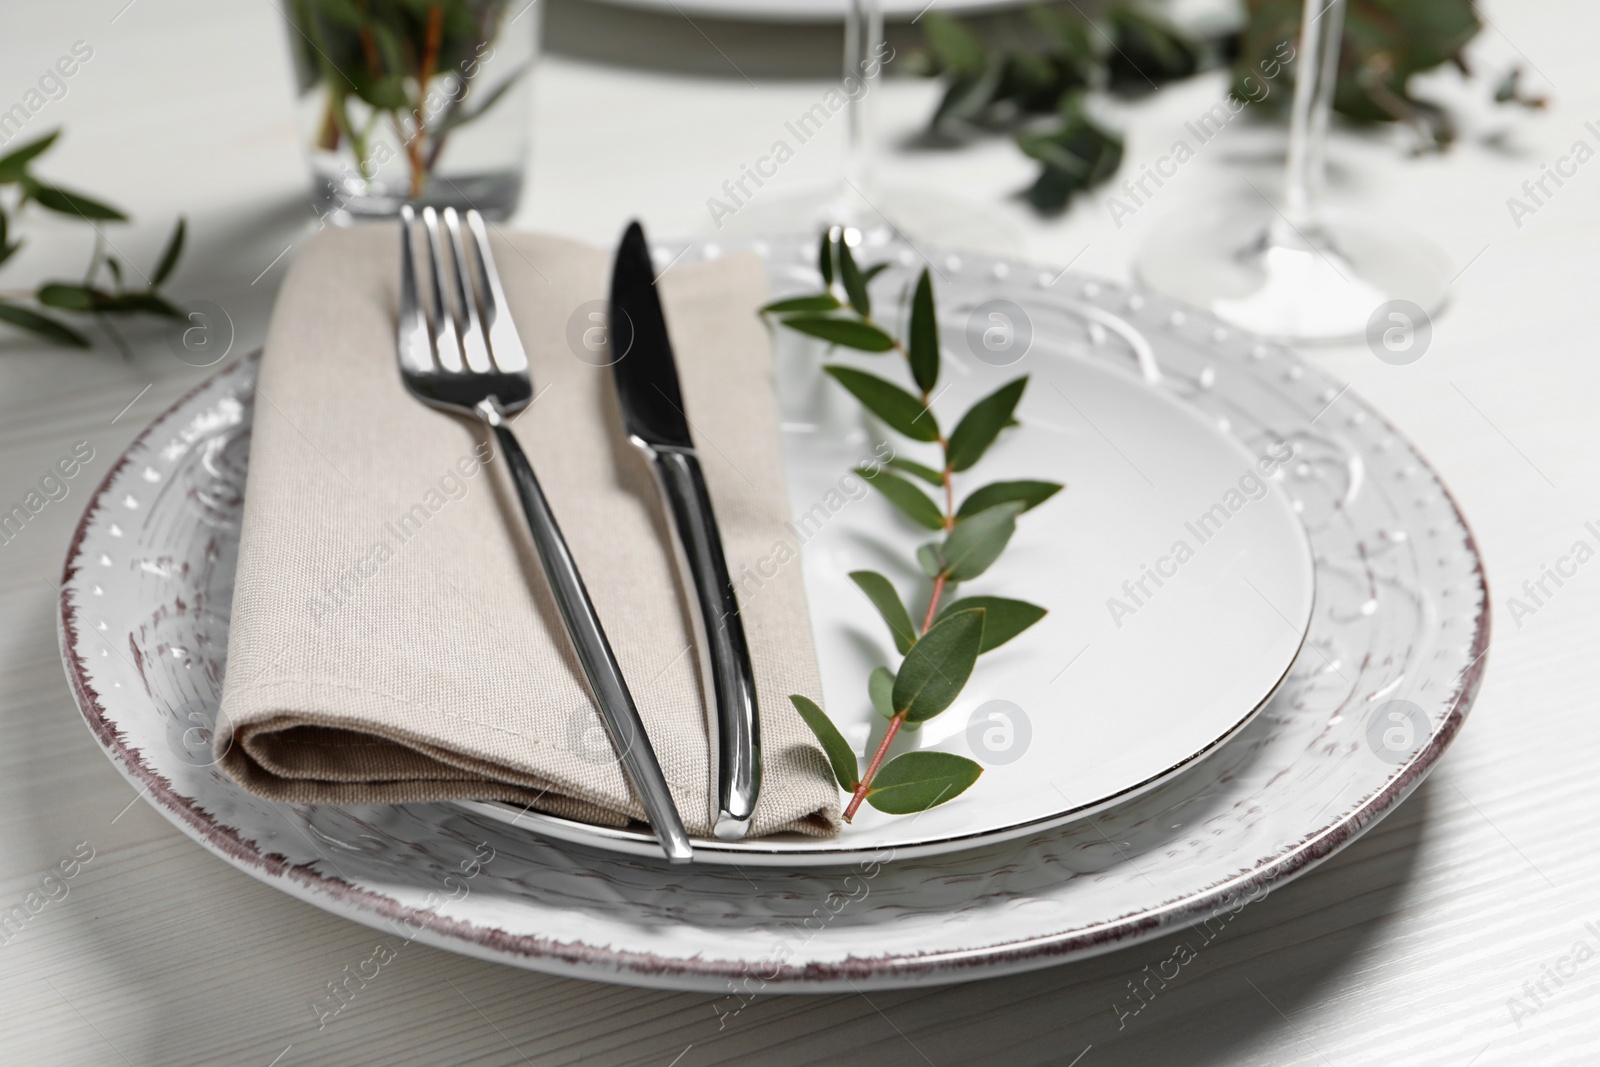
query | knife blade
(653,414)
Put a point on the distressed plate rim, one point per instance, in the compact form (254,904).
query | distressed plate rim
(577,958)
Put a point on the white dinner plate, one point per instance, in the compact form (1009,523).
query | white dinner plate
(1179,582)
(1392,659)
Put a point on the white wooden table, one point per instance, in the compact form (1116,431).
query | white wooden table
(1408,947)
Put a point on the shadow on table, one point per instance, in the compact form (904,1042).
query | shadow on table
(1209,1002)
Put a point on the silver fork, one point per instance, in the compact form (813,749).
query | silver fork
(463,355)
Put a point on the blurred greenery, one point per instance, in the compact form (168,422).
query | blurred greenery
(101,293)
(410,62)
(1034,75)
(1385,43)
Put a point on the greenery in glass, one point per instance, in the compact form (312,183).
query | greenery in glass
(413,100)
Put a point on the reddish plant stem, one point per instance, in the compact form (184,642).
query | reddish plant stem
(369,46)
(430,55)
(933,605)
(865,785)
(895,723)
(872,768)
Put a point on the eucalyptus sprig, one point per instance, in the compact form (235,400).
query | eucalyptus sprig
(939,653)
(102,291)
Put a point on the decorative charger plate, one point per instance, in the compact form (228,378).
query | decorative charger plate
(1390,664)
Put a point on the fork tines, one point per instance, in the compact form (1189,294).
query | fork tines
(462,325)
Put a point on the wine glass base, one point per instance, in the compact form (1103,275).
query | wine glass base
(893,213)
(1313,284)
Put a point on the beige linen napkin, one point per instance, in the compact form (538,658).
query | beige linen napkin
(393,638)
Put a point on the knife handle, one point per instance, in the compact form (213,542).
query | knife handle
(600,667)
(725,670)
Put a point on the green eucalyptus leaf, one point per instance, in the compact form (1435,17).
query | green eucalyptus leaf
(929,559)
(847,333)
(905,496)
(957,49)
(917,781)
(341,11)
(463,30)
(8,247)
(14,164)
(970,96)
(855,286)
(1002,619)
(902,411)
(169,255)
(46,327)
(1077,155)
(825,258)
(880,690)
(1031,82)
(128,303)
(938,665)
(68,203)
(1029,494)
(1149,51)
(982,424)
(873,271)
(960,89)
(1075,49)
(882,593)
(386,92)
(927,474)
(388,41)
(819,302)
(70,297)
(840,755)
(922,342)
(976,543)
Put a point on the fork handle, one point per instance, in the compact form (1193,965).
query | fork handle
(599,663)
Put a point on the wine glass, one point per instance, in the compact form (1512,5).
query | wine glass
(849,205)
(1298,271)
(871,213)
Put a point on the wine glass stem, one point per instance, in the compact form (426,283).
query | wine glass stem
(863,45)
(1317,71)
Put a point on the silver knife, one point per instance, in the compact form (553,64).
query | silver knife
(646,376)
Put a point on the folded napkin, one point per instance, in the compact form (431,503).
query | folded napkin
(393,637)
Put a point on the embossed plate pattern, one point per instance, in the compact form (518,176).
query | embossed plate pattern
(1391,663)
